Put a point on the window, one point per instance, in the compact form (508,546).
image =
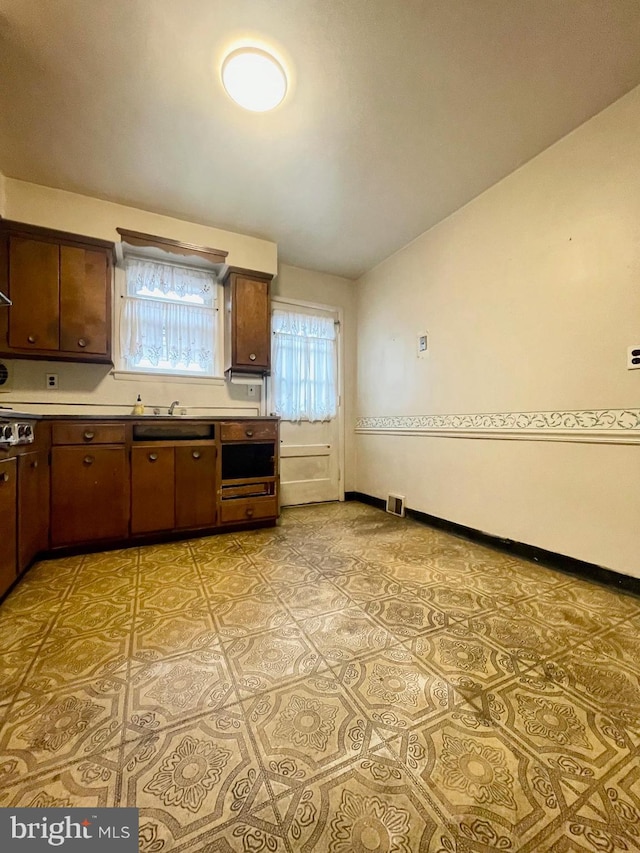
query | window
(168,322)
(304,366)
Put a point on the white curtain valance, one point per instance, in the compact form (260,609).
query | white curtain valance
(303,325)
(304,366)
(152,279)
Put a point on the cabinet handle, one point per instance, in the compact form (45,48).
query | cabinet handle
(252,356)
(248,433)
(196,454)
(4,477)
(249,512)
(89,460)
(82,342)
(89,436)
(34,464)
(32,339)
(153,457)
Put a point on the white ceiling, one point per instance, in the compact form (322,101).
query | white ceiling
(400,110)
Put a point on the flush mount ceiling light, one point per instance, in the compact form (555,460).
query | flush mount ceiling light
(254,79)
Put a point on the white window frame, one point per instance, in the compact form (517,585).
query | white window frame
(121,371)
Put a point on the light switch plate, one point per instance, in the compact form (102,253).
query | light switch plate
(423,345)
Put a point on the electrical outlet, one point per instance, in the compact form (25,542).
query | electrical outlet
(251,391)
(52,381)
(633,357)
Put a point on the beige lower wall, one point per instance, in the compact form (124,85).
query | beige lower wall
(337,292)
(570,498)
(531,296)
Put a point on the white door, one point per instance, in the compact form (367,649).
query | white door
(310,451)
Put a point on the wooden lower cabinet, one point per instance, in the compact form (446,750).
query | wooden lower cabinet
(195,478)
(8,526)
(152,489)
(33,507)
(92,483)
(89,494)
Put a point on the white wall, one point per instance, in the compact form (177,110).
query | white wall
(325,289)
(530,295)
(94,386)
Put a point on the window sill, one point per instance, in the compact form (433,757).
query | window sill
(180,378)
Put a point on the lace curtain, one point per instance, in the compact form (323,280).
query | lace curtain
(304,366)
(168,317)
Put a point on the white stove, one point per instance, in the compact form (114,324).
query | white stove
(15,432)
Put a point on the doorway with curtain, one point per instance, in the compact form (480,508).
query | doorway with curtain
(305,392)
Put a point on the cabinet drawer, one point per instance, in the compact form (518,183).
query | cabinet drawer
(248,510)
(248,431)
(248,490)
(88,433)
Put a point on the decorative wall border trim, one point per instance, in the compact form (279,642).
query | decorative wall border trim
(607,426)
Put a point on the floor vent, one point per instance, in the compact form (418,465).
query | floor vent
(395,505)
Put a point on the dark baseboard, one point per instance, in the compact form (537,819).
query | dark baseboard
(378,503)
(570,565)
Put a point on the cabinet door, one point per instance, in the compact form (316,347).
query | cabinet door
(252,326)
(89,494)
(33,507)
(8,532)
(84,300)
(152,489)
(34,288)
(195,486)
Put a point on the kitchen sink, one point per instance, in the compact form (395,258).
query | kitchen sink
(173,431)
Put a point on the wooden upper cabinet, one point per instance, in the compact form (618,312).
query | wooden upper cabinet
(34,289)
(60,285)
(84,302)
(248,322)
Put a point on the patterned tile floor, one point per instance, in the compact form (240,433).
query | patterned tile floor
(344,682)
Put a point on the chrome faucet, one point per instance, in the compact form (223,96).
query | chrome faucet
(173,405)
